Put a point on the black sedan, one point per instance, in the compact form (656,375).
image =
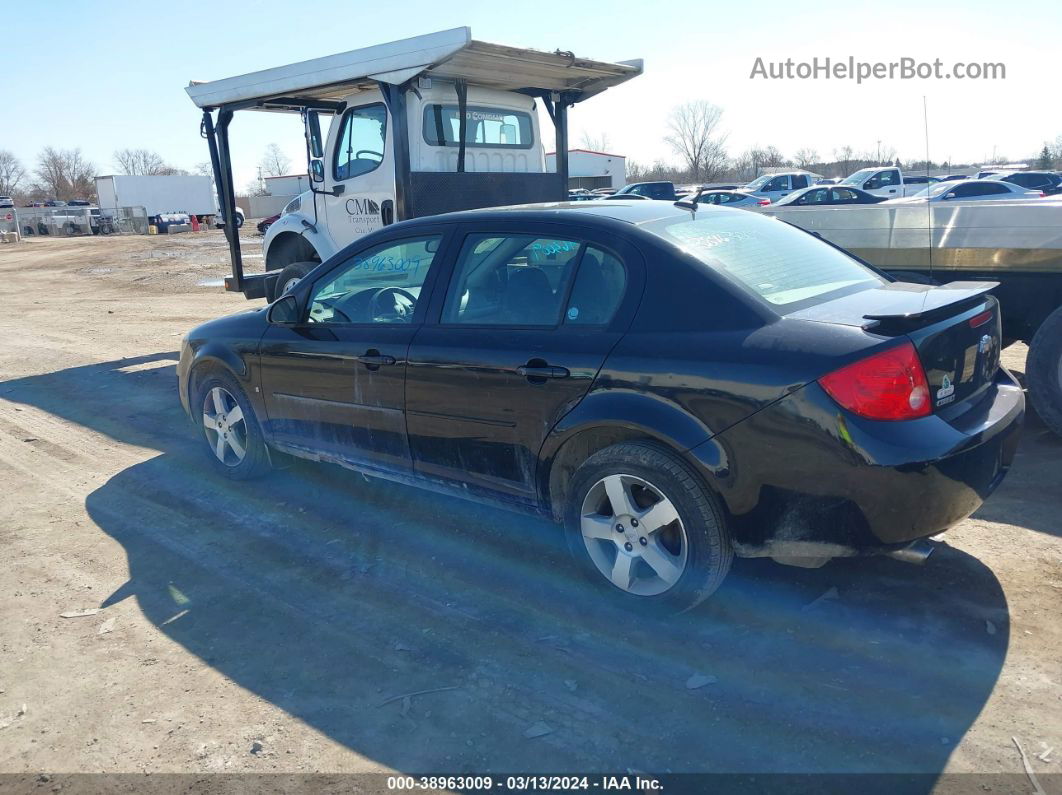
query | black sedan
(677,384)
(820,196)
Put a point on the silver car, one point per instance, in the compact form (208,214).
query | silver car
(733,198)
(971,190)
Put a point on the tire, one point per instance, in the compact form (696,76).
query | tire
(695,546)
(234,434)
(290,276)
(238,221)
(1043,371)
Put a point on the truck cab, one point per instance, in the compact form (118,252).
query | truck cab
(775,186)
(416,127)
(887,181)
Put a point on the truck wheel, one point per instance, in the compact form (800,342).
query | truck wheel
(229,427)
(643,527)
(238,221)
(1044,371)
(290,276)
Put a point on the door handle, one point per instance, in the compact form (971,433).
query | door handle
(533,373)
(373,359)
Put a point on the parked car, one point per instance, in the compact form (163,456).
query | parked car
(952,177)
(914,179)
(827,181)
(1046,181)
(265,223)
(732,198)
(775,186)
(78,203)
(888,182)
(828,195)
(6,201)
(649,190)
(677,386)
(972,190)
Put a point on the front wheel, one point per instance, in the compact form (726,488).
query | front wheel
(290,276)
(229,427)
(642,525)
(1043,370)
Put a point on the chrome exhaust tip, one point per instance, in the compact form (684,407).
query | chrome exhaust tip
(917,552)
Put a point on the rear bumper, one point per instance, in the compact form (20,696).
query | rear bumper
(805,478)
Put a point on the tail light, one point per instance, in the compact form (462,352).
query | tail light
(764,202)
(890,385)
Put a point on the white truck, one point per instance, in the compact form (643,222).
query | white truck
(191,195)
(774,186)
(420,126)
(887,181)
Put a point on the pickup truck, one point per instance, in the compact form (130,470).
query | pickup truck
(775,186)
(886,181)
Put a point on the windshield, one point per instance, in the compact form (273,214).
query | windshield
(859,177)
(759,182)
(779,263)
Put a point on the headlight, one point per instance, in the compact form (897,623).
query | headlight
(292,206)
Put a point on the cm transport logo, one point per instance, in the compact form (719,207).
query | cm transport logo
(364,214)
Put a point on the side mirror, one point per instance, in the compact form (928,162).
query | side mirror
(949,195)
(313,133)
(317,170)
(284,311)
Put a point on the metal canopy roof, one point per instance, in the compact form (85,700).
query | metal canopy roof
(448,54)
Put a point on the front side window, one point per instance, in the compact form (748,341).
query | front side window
(510,280)
(381,285)
(496,128)
(360,146)
(778,183)
(780,264)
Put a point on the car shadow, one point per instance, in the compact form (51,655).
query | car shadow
(433,634)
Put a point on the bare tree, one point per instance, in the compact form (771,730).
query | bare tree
(843,156)
(204,169)
(143,162)
(806,157)
(12,173)
(274,162)
(64,173)
(693,135)
(596,143)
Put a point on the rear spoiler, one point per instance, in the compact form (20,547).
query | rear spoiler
(939,301)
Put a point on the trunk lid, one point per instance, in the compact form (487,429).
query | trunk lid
(954,327)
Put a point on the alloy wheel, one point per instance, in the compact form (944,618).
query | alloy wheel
(634,535)
(225,426)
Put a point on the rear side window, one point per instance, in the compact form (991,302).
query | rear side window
(496,128)
(598,289)
(780,264)
(510,280)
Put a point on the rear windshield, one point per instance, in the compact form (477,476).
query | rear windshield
(781,264)
(497,128)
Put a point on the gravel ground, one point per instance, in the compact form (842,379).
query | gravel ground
(317,621)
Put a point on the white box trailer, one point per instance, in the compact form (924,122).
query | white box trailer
(193,195)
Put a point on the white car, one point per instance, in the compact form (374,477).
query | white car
(971,190)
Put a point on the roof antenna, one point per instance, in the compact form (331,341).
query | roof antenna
(929,196)
(691,204)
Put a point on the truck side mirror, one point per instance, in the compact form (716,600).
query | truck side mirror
(317,170)
(313,134)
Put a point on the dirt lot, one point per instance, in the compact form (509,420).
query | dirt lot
(262,627)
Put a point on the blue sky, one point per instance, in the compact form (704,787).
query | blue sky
(108,76)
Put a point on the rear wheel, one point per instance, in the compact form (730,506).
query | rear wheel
(645,529)
(1043,371)
(229,428)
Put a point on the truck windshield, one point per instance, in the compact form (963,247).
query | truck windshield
(759,182)
(780,264)
(859,177)
(496,128)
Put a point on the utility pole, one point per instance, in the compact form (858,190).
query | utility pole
(879,151)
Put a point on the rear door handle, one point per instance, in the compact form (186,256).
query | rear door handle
(542,372)
(374,359)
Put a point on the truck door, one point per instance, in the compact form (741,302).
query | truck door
(886,182)
(361,169)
